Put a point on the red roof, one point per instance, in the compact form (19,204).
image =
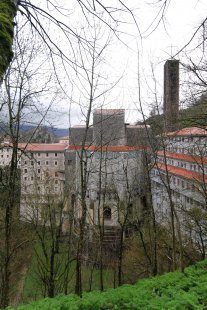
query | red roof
(42,147)
(185,157)
(187,174)
(190,131)
(108,148)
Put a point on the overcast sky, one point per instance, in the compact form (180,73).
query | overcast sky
(158,43)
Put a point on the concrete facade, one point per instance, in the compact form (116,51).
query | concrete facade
(42,178)
(114,162)
(171,94)
(181,170)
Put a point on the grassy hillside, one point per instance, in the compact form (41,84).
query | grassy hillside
(171,291)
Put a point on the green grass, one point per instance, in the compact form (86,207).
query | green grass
(174,290)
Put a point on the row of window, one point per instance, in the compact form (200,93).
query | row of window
(176,181)
(178,195)
(32,179)
(47,163)
(188,139)
(39,163)
(187,150)
(186,165)
(56,189)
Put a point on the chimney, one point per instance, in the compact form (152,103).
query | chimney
(171,94)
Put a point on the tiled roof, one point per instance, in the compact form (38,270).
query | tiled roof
(184,173)
(185,157)
(108,148)
(190,131)
(42,147)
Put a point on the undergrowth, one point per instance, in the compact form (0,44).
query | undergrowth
(173,290)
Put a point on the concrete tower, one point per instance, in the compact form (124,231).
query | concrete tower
(171,94)
(109,127)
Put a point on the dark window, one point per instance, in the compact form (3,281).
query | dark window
(47,154)
(55,154)
(56,163)
(107,213)
(25,170)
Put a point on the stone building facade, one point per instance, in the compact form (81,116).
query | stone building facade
(42,177)
(114,159)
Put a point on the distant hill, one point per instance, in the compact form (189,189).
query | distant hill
(33,134)
(57,132)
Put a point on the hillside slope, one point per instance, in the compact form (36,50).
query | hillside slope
(174,290)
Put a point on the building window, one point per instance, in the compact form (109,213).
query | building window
(38,170)
(32,163)
(32,178)
(69,162)
(107,213)
(25,162)
(47,154)
(38,163)
(56,163)
(25,178)
(38,154)
(55,154)
(56,174)
(47,163)
(56,181)
(25,170)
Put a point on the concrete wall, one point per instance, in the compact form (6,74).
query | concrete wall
(109,127)
(77,134)
(171,93)
(137,135)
